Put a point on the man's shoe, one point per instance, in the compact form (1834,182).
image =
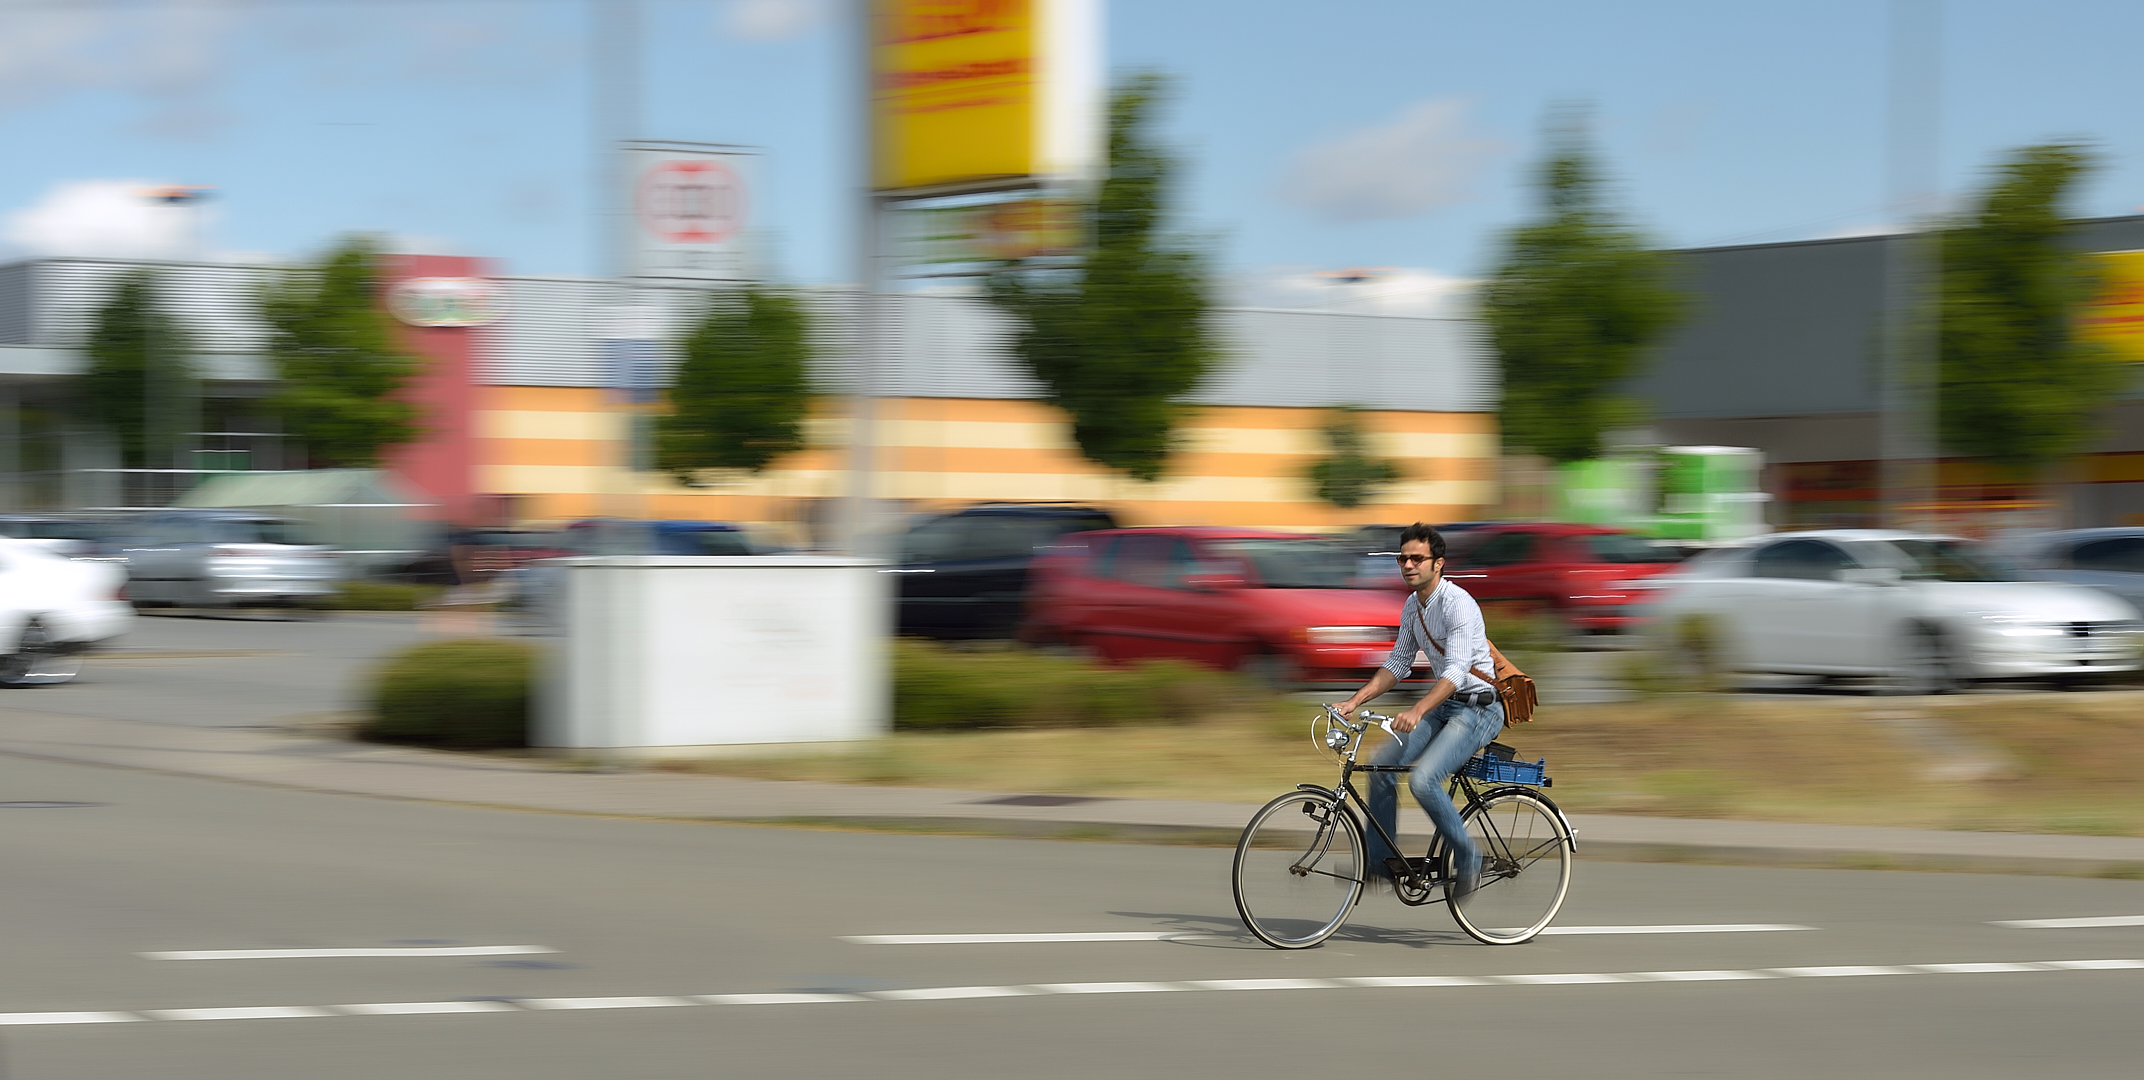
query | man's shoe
(1466,880)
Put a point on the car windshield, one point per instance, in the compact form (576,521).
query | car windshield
(1625,548)
(1942,560)
(257,531)
(1293,564)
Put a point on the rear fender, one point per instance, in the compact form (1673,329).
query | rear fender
(1570,834)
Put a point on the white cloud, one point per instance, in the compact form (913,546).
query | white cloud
(772,20)
(106,218)
(171,52)
(1423,159)
(1385,290)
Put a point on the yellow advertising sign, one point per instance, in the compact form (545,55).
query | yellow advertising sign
(967,94)
(2116,317)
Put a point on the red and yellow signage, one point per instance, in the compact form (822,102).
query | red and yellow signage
(971,94)
(2116,317)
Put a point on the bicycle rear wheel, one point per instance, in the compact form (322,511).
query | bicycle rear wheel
(1298,869)
(1525,868)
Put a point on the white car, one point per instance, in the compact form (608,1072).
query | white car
(51,609)
(1926,612)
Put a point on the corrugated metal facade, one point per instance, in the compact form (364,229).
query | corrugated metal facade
(937,346)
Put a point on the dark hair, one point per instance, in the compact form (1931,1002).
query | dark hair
(1426,534)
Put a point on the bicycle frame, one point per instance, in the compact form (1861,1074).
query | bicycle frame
(1345,792)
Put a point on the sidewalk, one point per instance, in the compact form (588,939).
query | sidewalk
(292,760)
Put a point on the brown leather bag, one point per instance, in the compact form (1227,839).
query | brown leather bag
(1513,687)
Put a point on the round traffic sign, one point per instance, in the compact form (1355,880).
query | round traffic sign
(690,201)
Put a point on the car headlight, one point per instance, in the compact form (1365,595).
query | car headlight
(1349,635)
(2016,626)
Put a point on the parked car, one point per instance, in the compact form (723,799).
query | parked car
(965,574)
(1281,606)
(2108,559)
(68,537)
(1923,611)
(52,609)
(1593,578)
(611,536)
(223,558)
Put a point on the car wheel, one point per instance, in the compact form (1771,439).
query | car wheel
(1270,670)
(1925,664)
(37,660)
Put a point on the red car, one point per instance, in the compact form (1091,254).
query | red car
(1275,604)
(1584,573)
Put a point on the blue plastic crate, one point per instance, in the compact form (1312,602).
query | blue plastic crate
(1493,771)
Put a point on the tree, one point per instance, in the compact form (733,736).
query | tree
(1120,338)
(743,388)
(333,348)
(1576,302)
(137,370)
(1348,476)
(2016,384)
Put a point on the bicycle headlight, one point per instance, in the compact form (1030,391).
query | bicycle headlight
(1336,738)
(1349,635)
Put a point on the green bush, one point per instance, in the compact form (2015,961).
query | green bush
(941,688)
(382,596)
(464,695)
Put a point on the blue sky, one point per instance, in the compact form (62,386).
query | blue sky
(1333,134)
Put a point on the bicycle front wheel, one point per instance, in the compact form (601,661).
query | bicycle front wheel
(1525,868)
(1298,870)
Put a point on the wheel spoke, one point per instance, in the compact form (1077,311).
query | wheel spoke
(1291,894)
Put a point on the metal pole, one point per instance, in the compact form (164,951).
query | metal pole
(615,110)
(859,526)
(1909,443)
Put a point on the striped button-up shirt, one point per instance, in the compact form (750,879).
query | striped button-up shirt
(1455,621)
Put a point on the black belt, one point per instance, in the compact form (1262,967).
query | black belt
(1475,698)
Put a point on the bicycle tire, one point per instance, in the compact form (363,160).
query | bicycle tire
(1296,880)
(1526,868)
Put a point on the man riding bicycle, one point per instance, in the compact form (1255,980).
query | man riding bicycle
(1457,717)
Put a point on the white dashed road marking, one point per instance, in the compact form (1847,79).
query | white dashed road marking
(2067,924)
(954,993)
(301,954)
(1675,928)
(1152,935)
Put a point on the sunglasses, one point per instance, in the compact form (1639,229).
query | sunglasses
(1413,560)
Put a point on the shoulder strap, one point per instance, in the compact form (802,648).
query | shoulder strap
(1423,618)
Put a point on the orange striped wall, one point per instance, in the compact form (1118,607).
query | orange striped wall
(559,451)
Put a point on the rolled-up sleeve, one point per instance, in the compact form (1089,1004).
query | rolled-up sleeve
(1409,642)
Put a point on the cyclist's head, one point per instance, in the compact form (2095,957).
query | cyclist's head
(1426,534)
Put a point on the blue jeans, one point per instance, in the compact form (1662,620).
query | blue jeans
(1437,747)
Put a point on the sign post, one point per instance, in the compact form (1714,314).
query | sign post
(963,98)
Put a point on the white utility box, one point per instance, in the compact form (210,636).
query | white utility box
(665,654)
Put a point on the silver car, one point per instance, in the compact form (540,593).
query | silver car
(1927,612)
(2111,560)
(203,558)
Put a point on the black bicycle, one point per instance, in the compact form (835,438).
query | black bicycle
(1299,867)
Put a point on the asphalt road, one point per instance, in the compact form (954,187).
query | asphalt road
(238,670)
(686,950)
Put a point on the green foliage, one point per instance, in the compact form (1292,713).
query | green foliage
(471,694)
(743,388)
(1120,339)
(334,352)
(2016,383)
(1578,299)
(1348,476)
(382,596)
(939,688)
(137,368)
